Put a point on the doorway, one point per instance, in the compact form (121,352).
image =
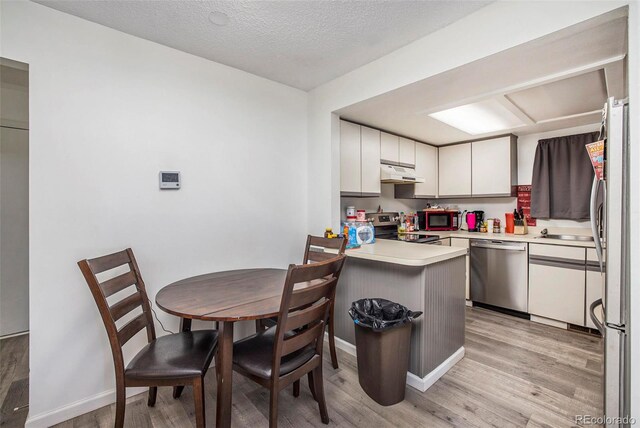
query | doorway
(14,240)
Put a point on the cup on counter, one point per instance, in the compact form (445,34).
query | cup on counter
(490,225)
(351,211)
(361,215)
(509,223)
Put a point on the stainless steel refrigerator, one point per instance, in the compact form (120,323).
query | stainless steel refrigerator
(611,234)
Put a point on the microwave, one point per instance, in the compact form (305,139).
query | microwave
(438,220)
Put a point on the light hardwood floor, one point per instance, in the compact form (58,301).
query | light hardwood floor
(515,374)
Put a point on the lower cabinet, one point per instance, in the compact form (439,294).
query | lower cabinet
(463,243)
(557,276)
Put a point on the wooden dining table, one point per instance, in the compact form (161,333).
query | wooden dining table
(225,297)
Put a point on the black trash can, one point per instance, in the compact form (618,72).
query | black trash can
(383,340)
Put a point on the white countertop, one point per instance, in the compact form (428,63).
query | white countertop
(405,253)
(530,238)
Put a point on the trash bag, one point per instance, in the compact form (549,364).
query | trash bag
(380,314)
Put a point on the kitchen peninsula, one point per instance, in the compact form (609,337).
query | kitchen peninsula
(425,278)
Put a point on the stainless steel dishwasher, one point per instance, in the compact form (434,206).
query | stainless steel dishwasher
(499,274)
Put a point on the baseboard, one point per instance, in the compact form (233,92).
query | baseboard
(9,336)
(469,303)
(77,408)
(432,377)
(421,384)
(547,321)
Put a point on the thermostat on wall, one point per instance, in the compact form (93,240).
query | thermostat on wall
(169,180)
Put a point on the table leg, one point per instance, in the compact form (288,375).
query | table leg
(185,325)
(225,375)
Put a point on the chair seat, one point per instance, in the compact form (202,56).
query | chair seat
(254,354)
(175,356)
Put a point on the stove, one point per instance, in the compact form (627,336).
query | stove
(386,227)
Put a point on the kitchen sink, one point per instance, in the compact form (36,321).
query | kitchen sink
(569,237)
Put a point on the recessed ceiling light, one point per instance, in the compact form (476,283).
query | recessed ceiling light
(219,18)
(479,118)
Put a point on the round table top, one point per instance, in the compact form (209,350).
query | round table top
(246,294)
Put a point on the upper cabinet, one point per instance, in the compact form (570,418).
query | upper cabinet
(494,170)
(389,148)
(370,161)
(396,150)
(406,152)
(350,169)
(454,170)
(426,160)
(359,160)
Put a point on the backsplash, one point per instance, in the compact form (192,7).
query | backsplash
(492,207)
(386,201)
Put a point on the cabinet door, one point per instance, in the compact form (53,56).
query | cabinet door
(493,170)
(454,170)
(406,152)
(595,285)
(389,148)
(427,167)
(350,169)
(463,243)
(370,161)
(557,292)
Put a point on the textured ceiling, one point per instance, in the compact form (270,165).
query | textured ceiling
(299,43)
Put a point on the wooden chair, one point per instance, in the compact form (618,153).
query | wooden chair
(311,256)
(279,356)
(172,360)
(317,256)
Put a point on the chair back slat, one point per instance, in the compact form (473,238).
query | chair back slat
(304,338)
(118,283)
(304,317)
(132,327)
(110,313)
(108,262)
(321,242)
(309,295)
(125,306)
(319,256)
(316,271)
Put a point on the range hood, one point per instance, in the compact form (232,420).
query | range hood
(399,175)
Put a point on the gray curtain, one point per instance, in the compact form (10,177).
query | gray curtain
(562,178)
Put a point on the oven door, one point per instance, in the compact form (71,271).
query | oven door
(437,220)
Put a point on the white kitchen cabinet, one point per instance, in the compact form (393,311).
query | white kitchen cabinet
(595,285)
(370,161)
(359,160)
(557,282)
(389,148)
(494,167)
(454,170)
(426,166)
(350,167)
(464,243)
(406,152)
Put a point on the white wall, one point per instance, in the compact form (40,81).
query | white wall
(108,111)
